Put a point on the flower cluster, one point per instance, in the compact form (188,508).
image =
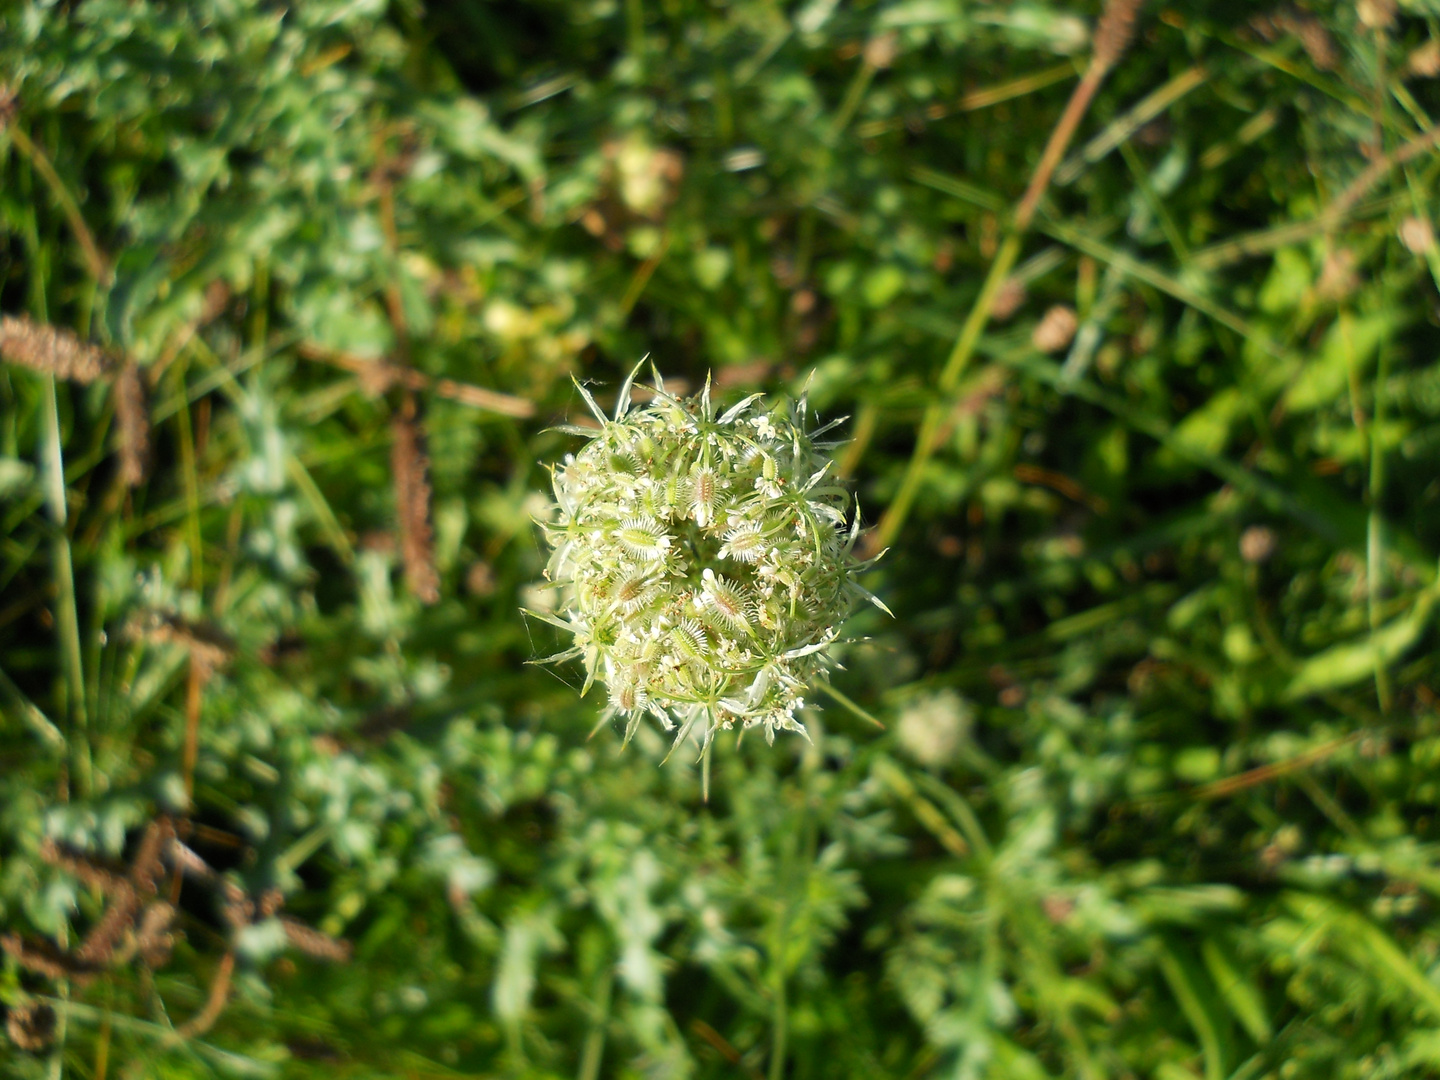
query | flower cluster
(703,562)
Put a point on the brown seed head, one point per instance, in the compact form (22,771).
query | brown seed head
(1056,330)
(31,1026)
(880,52)
(1257,543)
(51,349)
(1115,32)
(1424,62)
(1417,235)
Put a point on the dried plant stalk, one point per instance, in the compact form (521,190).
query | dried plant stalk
(43,958)
(410,467)
(187,862)
(51,349)
(132,415)
(158,835)
(315,943)
(88,874)
(1115,32)
(208,645)
(31,1026)
(154,938)
(98,948)
(378,376)
(1112,38)
(236,907)
(205,1019)
(1306,28)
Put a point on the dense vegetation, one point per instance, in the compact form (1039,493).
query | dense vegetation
(292,296)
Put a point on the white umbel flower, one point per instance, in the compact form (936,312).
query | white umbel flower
(702,562)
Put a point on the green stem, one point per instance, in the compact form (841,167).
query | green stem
(954,368)
(192,484)
(850,704)
(635,28)
(785,883)
(1374,530)
(38,722)
(67,619)
(782,1026)
(854,94)
(592,1053)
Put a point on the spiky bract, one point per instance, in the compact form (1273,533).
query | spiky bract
(703,562)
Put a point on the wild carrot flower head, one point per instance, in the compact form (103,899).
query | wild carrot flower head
(703,561)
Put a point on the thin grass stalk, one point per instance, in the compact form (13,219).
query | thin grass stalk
(635,29)
(102,1048)
(1118,132)
(782,1029)
(854,94)
(410,467)
(592,1052)
(66,616)
(56,1065)
(1112,37)
(1375,480)
(780,1036)
(190,753)
(1375,527)
(930,423)
(164,1038)
(980,99)
(864,432)
(95,260)
(132,418)
(192,486)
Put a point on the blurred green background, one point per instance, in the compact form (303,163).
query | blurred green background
(1155,791)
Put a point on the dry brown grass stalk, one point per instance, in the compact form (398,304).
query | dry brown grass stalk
(147,864)
(1115,32)
(31,1026)
(51,349)
(1056,329)
(85,871)
(377,376)
(44,958)
(187,863)
(137,922)
(1376,171)
(236,907)
(109,940)
(99,946)
(153,938)
(208,645)
(96,261)
(132,415)
(215,1001)
(410,469)
(1305,28)
(314,943)
(1112,37)
(61,353)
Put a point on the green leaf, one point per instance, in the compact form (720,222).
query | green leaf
(1349,344)
(1237,989)
(1345,664)
(1367,946)
(1197,1002)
